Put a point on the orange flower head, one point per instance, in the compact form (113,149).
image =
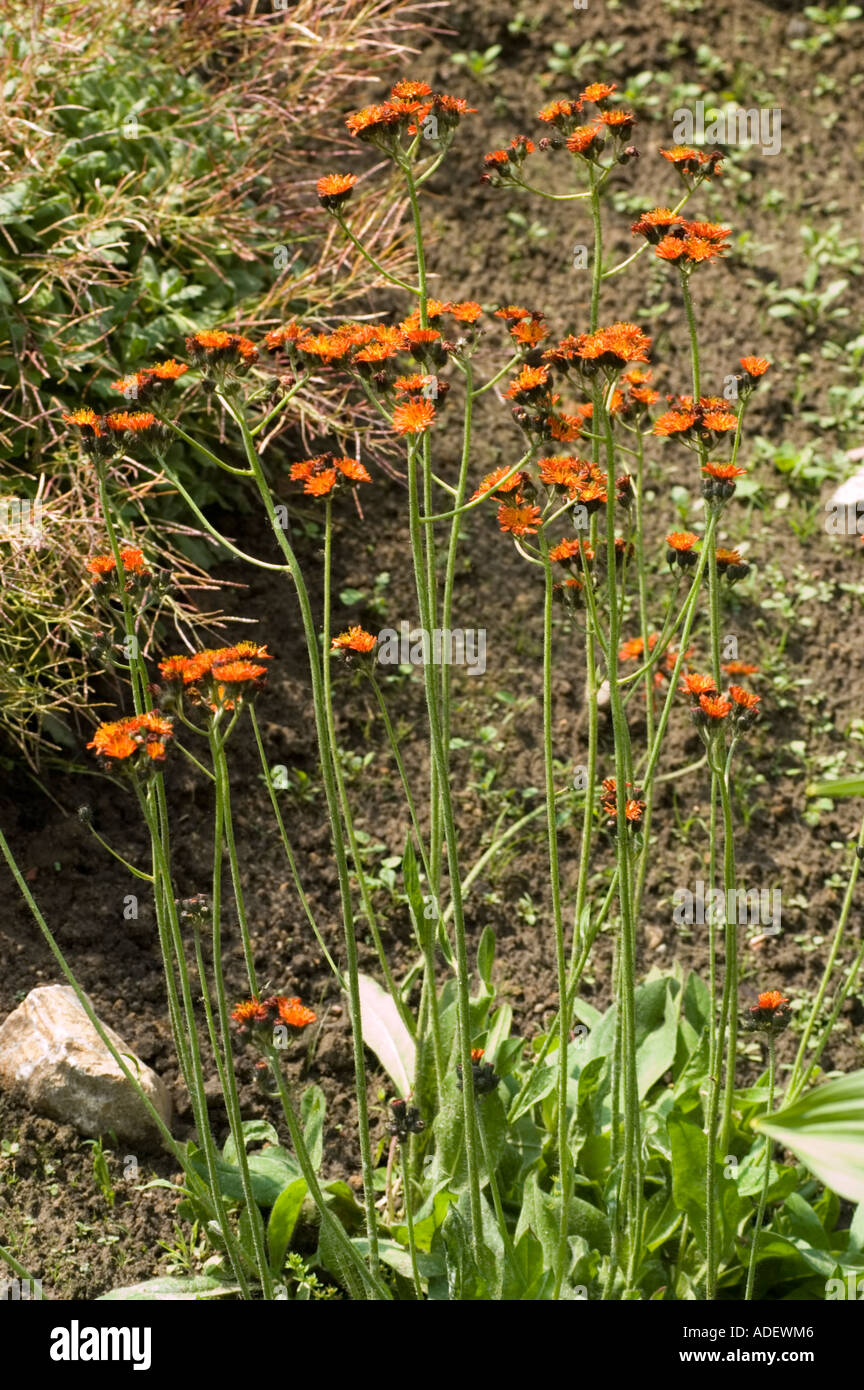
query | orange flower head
(293,1013)
(413,416)
(519,520)
(714,706)
(86,419)
(335,189)
(598,91)
(745,699)
(740,668)
(133,422)
(580,140)
(681,540)
(755,366)
(529,382)
(698,685)
(356,639)
(771,1000)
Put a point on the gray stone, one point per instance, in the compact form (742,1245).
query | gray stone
(52,1055)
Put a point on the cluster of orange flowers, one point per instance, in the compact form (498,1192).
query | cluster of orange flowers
(228,672)
(674,238)
(710,708)
(140,733)
(634,806)
(216,347)
(132,560)
(262,1015)
(320,475)
(149,380)
(95,427)
(412,105)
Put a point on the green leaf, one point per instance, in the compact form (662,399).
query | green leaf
(841,786)
(254,1132)
(542,1081)
(386,1034)
(313,1106)
(172,1288)
(486,956)
(269,1173)
(825,1129)
(656,1053)
(283,1219)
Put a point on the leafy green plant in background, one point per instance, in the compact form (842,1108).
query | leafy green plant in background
(144,158)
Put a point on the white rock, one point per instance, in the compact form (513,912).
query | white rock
(51,1053)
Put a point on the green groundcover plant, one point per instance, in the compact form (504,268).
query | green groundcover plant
(619,1154)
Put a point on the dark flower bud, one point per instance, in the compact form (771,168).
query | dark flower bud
(404,1120)
(483,1074)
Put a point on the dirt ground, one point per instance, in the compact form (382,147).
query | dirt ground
(799,617)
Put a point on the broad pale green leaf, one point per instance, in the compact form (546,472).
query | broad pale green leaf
(172,1288)
(386,1034)
(283,1219)
(313,1106)
(825,1129)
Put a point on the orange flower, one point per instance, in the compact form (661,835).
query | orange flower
(727,557)
(121,738)
(744,698)
(497,481)
(617,120)
(755,366)
(102,565)
(681,540)
(335,189)
(215,346)
(292,1012)
(697,685)
(278,337)
(714,706)
(413,416)
(372,121)
(406,89)
(560,113)
(519,520)
(566,550)
(529,382)
(598,91)
(671,248)
(614,346)
(237,672)
(720,421)
(135,422)
(167,371)
(771,1000)
(580,140)
(85,419)
(633,649)
(674,422)
(740,668)
(689,161)
(655,223)
(466,312)
(356,639)
(528,332)
(320,475)
(725,472)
